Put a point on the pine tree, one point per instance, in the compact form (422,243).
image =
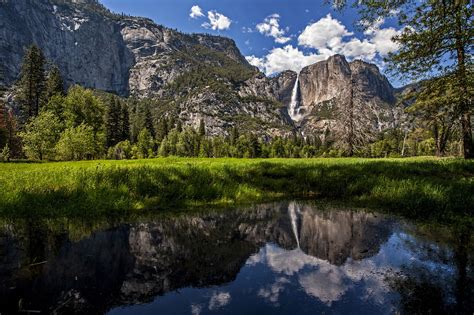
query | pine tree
(113,125)
(11,129)
(179,126)
(125,122)
(162,129)
(202,128)
(234,135)
(149,121)
(55,83)
(255,148)
(31,86)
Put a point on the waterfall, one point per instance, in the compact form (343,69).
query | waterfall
(294,225)
(293,110)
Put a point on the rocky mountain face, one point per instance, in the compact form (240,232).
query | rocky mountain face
(333,91)
(193,76)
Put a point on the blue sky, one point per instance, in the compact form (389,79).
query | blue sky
(274,35)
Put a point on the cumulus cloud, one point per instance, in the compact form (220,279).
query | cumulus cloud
(271,27)
(325,33)
(323,39)
(328,37)
(217,21)
(382,39)
(196,12)
(285,58)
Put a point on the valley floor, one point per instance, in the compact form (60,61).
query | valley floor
(424,188)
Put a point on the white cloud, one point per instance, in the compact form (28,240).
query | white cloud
(247,30)
(271,27)
(325,33)
(326,37)
(217,21)
(285,58)
(196,12)
(382,39)
(356,48)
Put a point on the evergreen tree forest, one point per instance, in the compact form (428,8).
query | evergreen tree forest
(51,123)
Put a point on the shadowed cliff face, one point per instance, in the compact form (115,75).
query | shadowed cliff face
(96,48)
(88,49)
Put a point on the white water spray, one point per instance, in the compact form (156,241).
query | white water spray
(292,212)
(294,110)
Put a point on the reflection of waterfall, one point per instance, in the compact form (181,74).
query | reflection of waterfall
(292,208)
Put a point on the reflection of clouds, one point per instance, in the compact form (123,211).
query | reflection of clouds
(254,259)
(196,309)
(326,284)
(288,262)
(219,300)
(272,293)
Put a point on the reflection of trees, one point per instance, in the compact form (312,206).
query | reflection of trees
(465,273)
(424,290)
(419,294)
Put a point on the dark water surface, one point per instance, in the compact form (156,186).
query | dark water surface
(283,258)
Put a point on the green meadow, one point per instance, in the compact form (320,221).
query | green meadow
(420,188)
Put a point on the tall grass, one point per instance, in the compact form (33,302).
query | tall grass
(418,187)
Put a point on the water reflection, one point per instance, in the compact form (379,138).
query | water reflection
(274,258)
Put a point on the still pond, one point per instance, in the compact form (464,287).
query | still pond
(277,258)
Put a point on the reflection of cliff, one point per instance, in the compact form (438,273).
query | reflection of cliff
(136,262)
(336,235)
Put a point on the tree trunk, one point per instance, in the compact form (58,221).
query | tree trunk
(466,131)
(404,142)
(437,139)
